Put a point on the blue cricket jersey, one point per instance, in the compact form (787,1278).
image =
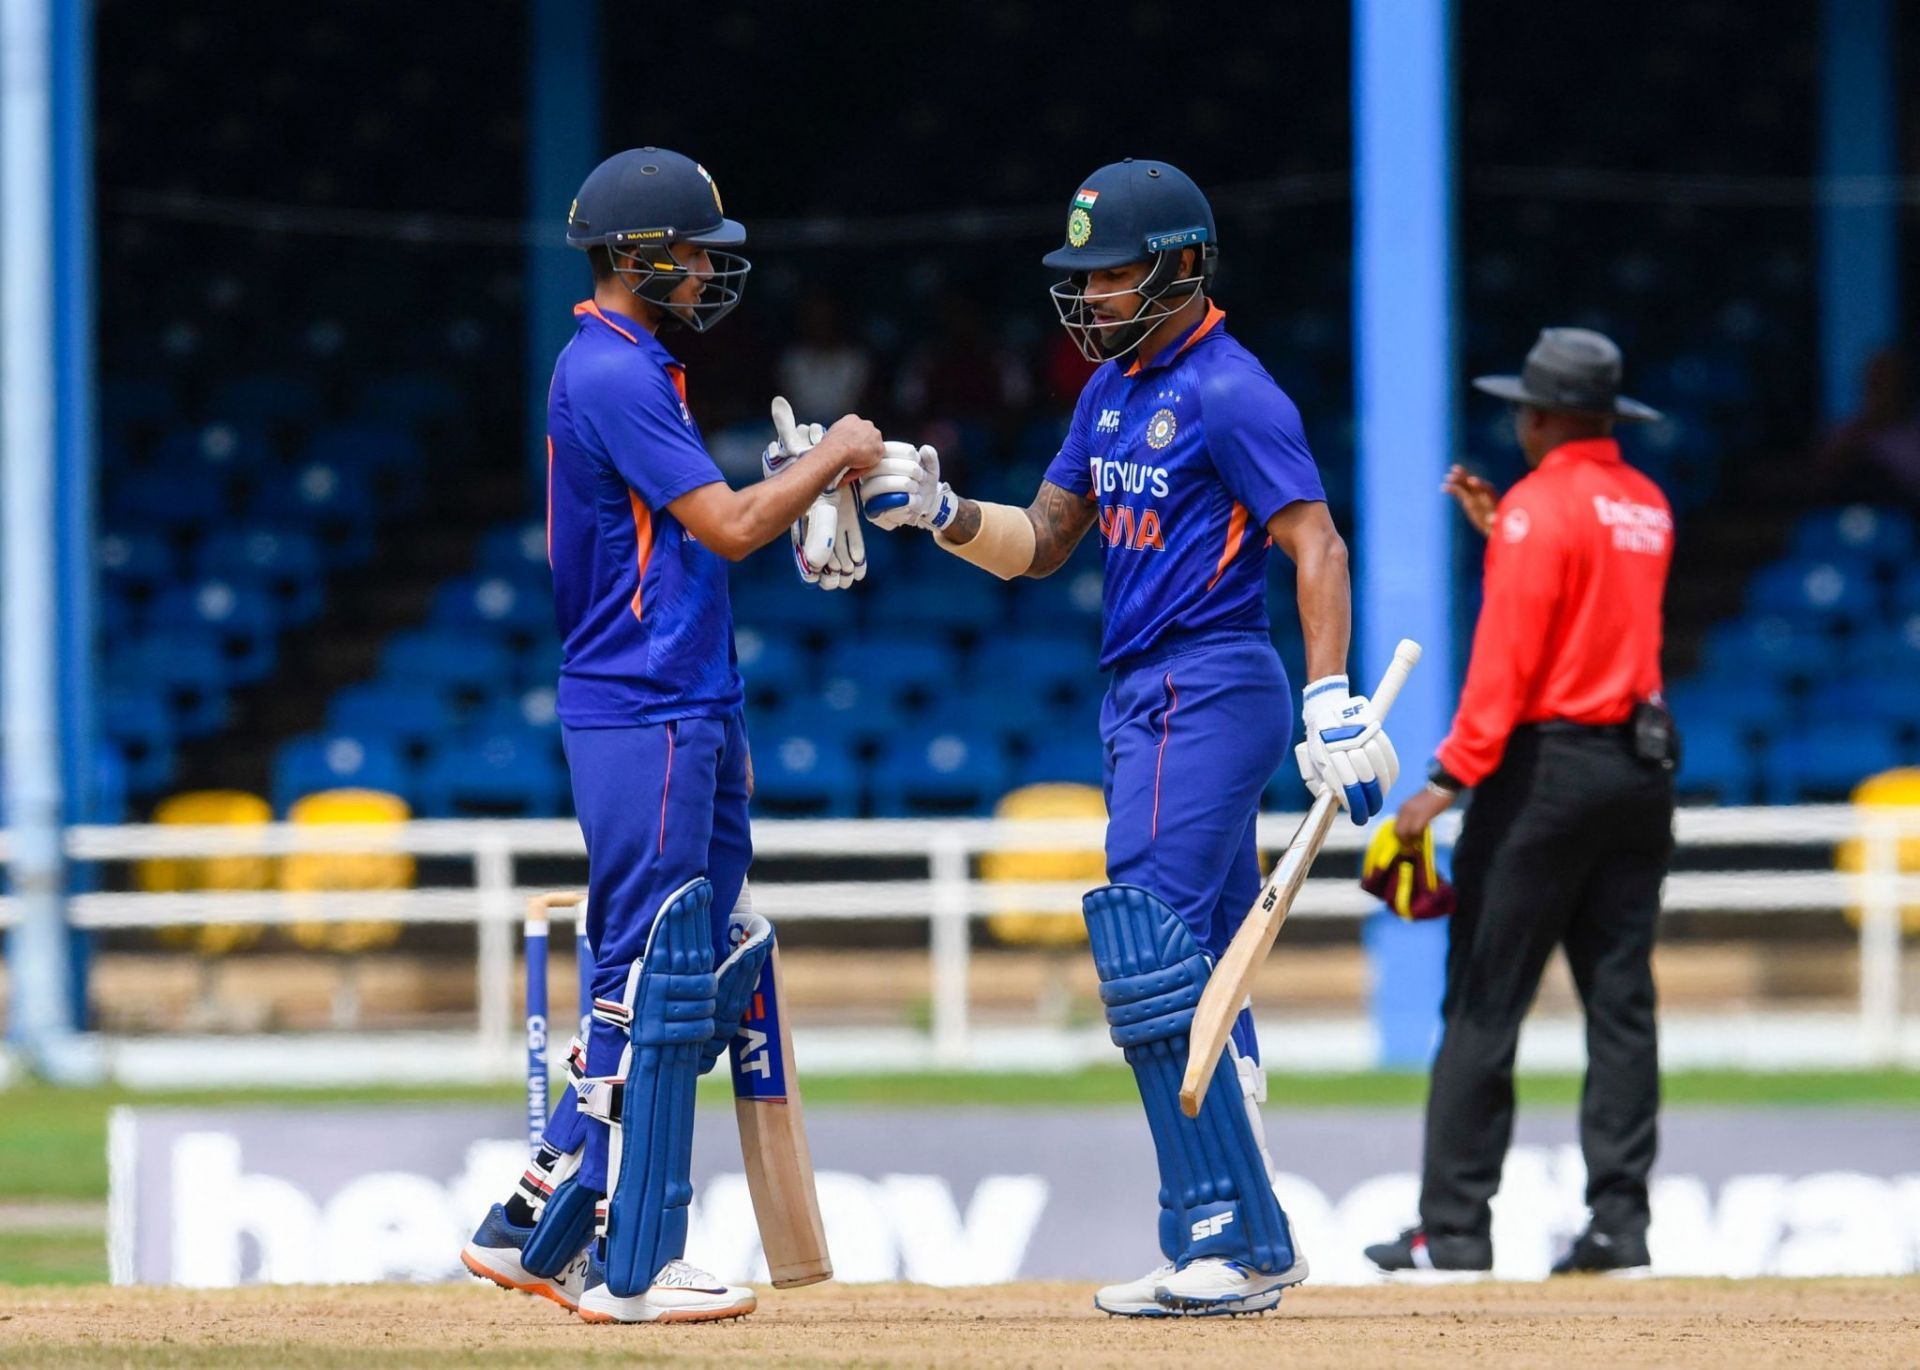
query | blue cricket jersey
(1187,458)
(646,628)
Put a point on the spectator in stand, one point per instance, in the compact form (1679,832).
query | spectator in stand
(823,371)
(1874,455)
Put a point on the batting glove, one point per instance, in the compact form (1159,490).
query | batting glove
(905,490)
(1346,750)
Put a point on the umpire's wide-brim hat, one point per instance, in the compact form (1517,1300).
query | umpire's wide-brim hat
(1572,371)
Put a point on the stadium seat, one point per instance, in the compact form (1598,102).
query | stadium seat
(1069,756)
(332,761)
(1715,761)
(181,874)
(168,502)
(1010,922)
(218,450)
(266,400)
(514,710)
(1816,592)
(1769,647)
(958,600)
(410,716)
(239,616)
(772,666)
(803,774)
(309,872)
(1858,532)
(944,773)
(1886,648)
(1906,593)
(334,504)
(786,603)
(493,774)
(515,550)
(141,723)
(384,455)
(128,405)
(1058,669)
(286,564)
(137,563)
(903,671)
(1826,760)
(187,668)
(409,399)
(1064,604)
(472,663)
(538,663)
(494,601)
(1749,704)
(1893,700)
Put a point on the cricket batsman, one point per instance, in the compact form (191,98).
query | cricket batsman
(1193,462)
(640,528)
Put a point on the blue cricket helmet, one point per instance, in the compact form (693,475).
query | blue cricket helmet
(1132,211)
(638,204)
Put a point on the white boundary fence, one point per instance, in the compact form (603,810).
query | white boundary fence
(950,895)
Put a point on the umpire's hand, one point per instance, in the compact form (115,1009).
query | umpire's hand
(1478,499)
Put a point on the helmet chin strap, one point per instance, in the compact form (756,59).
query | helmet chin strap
(1104,342)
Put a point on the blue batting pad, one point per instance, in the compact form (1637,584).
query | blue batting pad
(552,1183)
(1216,1198)
(670,1000)
(751,938)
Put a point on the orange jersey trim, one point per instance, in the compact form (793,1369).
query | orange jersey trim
(589,307)
(1214,317)
(642,546)
(1236,534)
(549,501)
(1160,759)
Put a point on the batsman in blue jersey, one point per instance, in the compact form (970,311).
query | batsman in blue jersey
(640,528)
(1192,463)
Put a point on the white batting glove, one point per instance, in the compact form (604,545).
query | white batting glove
(814,533)
(847,557)
(1346,750)
(905,490)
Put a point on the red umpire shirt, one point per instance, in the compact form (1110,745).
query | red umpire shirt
(1570,621)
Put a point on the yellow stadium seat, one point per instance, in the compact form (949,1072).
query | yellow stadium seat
(1087,868)
(172,875)
(312,872)
(1895,789)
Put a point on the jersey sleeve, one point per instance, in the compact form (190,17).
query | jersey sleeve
(1068,469)
(1257,442)
(1526,570)
(644,427)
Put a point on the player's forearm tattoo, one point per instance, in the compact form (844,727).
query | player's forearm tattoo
(1060,519)
(965,526)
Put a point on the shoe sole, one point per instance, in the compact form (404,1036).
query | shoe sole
(543,1290)
(1435,1277)
(1151,1310)
(1627,1272)
(672,1315)
(1201,1308)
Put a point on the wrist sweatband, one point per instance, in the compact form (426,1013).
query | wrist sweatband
(1004,545)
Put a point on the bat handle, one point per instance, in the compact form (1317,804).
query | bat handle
(1405,657)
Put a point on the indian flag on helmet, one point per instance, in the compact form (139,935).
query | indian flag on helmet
(1085,199)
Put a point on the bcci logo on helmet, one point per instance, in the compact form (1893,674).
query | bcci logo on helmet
(1079,228)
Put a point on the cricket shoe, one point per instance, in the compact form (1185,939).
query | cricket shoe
(1623,1255)
(1419,1257)
(679,1293)
(1135,1298)
(1213,1287)
(493,1253)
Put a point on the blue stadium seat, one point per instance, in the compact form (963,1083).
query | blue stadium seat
(1075,756)
(1825,761)
(772,666)
(1769,647)
(127,404)
(499,602)
(1889,648)
(946,773)
(804,775)
(538,663)
(266,399)
(1858,532)
(168,501)
(140,723)
(331,761)
(1893,700)
(1056,668)
(1747,703)
(136,562)
(495,773)
(1906,593)
(470,662)
(515,549)
(1064,604)
(408,399)
(1715,761)
(334,504)
(286,564)
(412,717)
(217,449)
(187,668)
(896,668)
(386,456)
(517,710)
(786,603)
(1816,592)
(962,600)
(238,615)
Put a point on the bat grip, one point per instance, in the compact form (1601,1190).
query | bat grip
(1405,657)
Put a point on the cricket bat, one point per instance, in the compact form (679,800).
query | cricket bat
(1232,979)
(773,1139)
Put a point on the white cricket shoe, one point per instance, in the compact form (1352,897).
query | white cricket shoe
(1135,1298)
(493,1253)
(1214,1287)
(679,1293)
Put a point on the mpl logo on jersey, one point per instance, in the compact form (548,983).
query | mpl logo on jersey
(1109,421)
(758,1071)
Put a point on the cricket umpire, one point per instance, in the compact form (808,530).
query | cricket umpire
(1563,739)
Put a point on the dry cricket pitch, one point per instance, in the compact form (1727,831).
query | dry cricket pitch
(1756,1323)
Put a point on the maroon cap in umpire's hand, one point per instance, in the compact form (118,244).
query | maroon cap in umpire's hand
(1572,370)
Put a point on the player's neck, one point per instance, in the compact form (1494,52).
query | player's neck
(1180,321)
(617,299)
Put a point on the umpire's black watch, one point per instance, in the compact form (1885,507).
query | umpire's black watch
(1441,778)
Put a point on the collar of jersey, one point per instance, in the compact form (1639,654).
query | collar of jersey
(1582,449)
(630,329)
(1208,322)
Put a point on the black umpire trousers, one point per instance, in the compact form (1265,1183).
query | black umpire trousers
(1565,844)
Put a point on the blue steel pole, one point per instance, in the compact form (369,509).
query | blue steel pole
(41,1019)
(1405,410)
